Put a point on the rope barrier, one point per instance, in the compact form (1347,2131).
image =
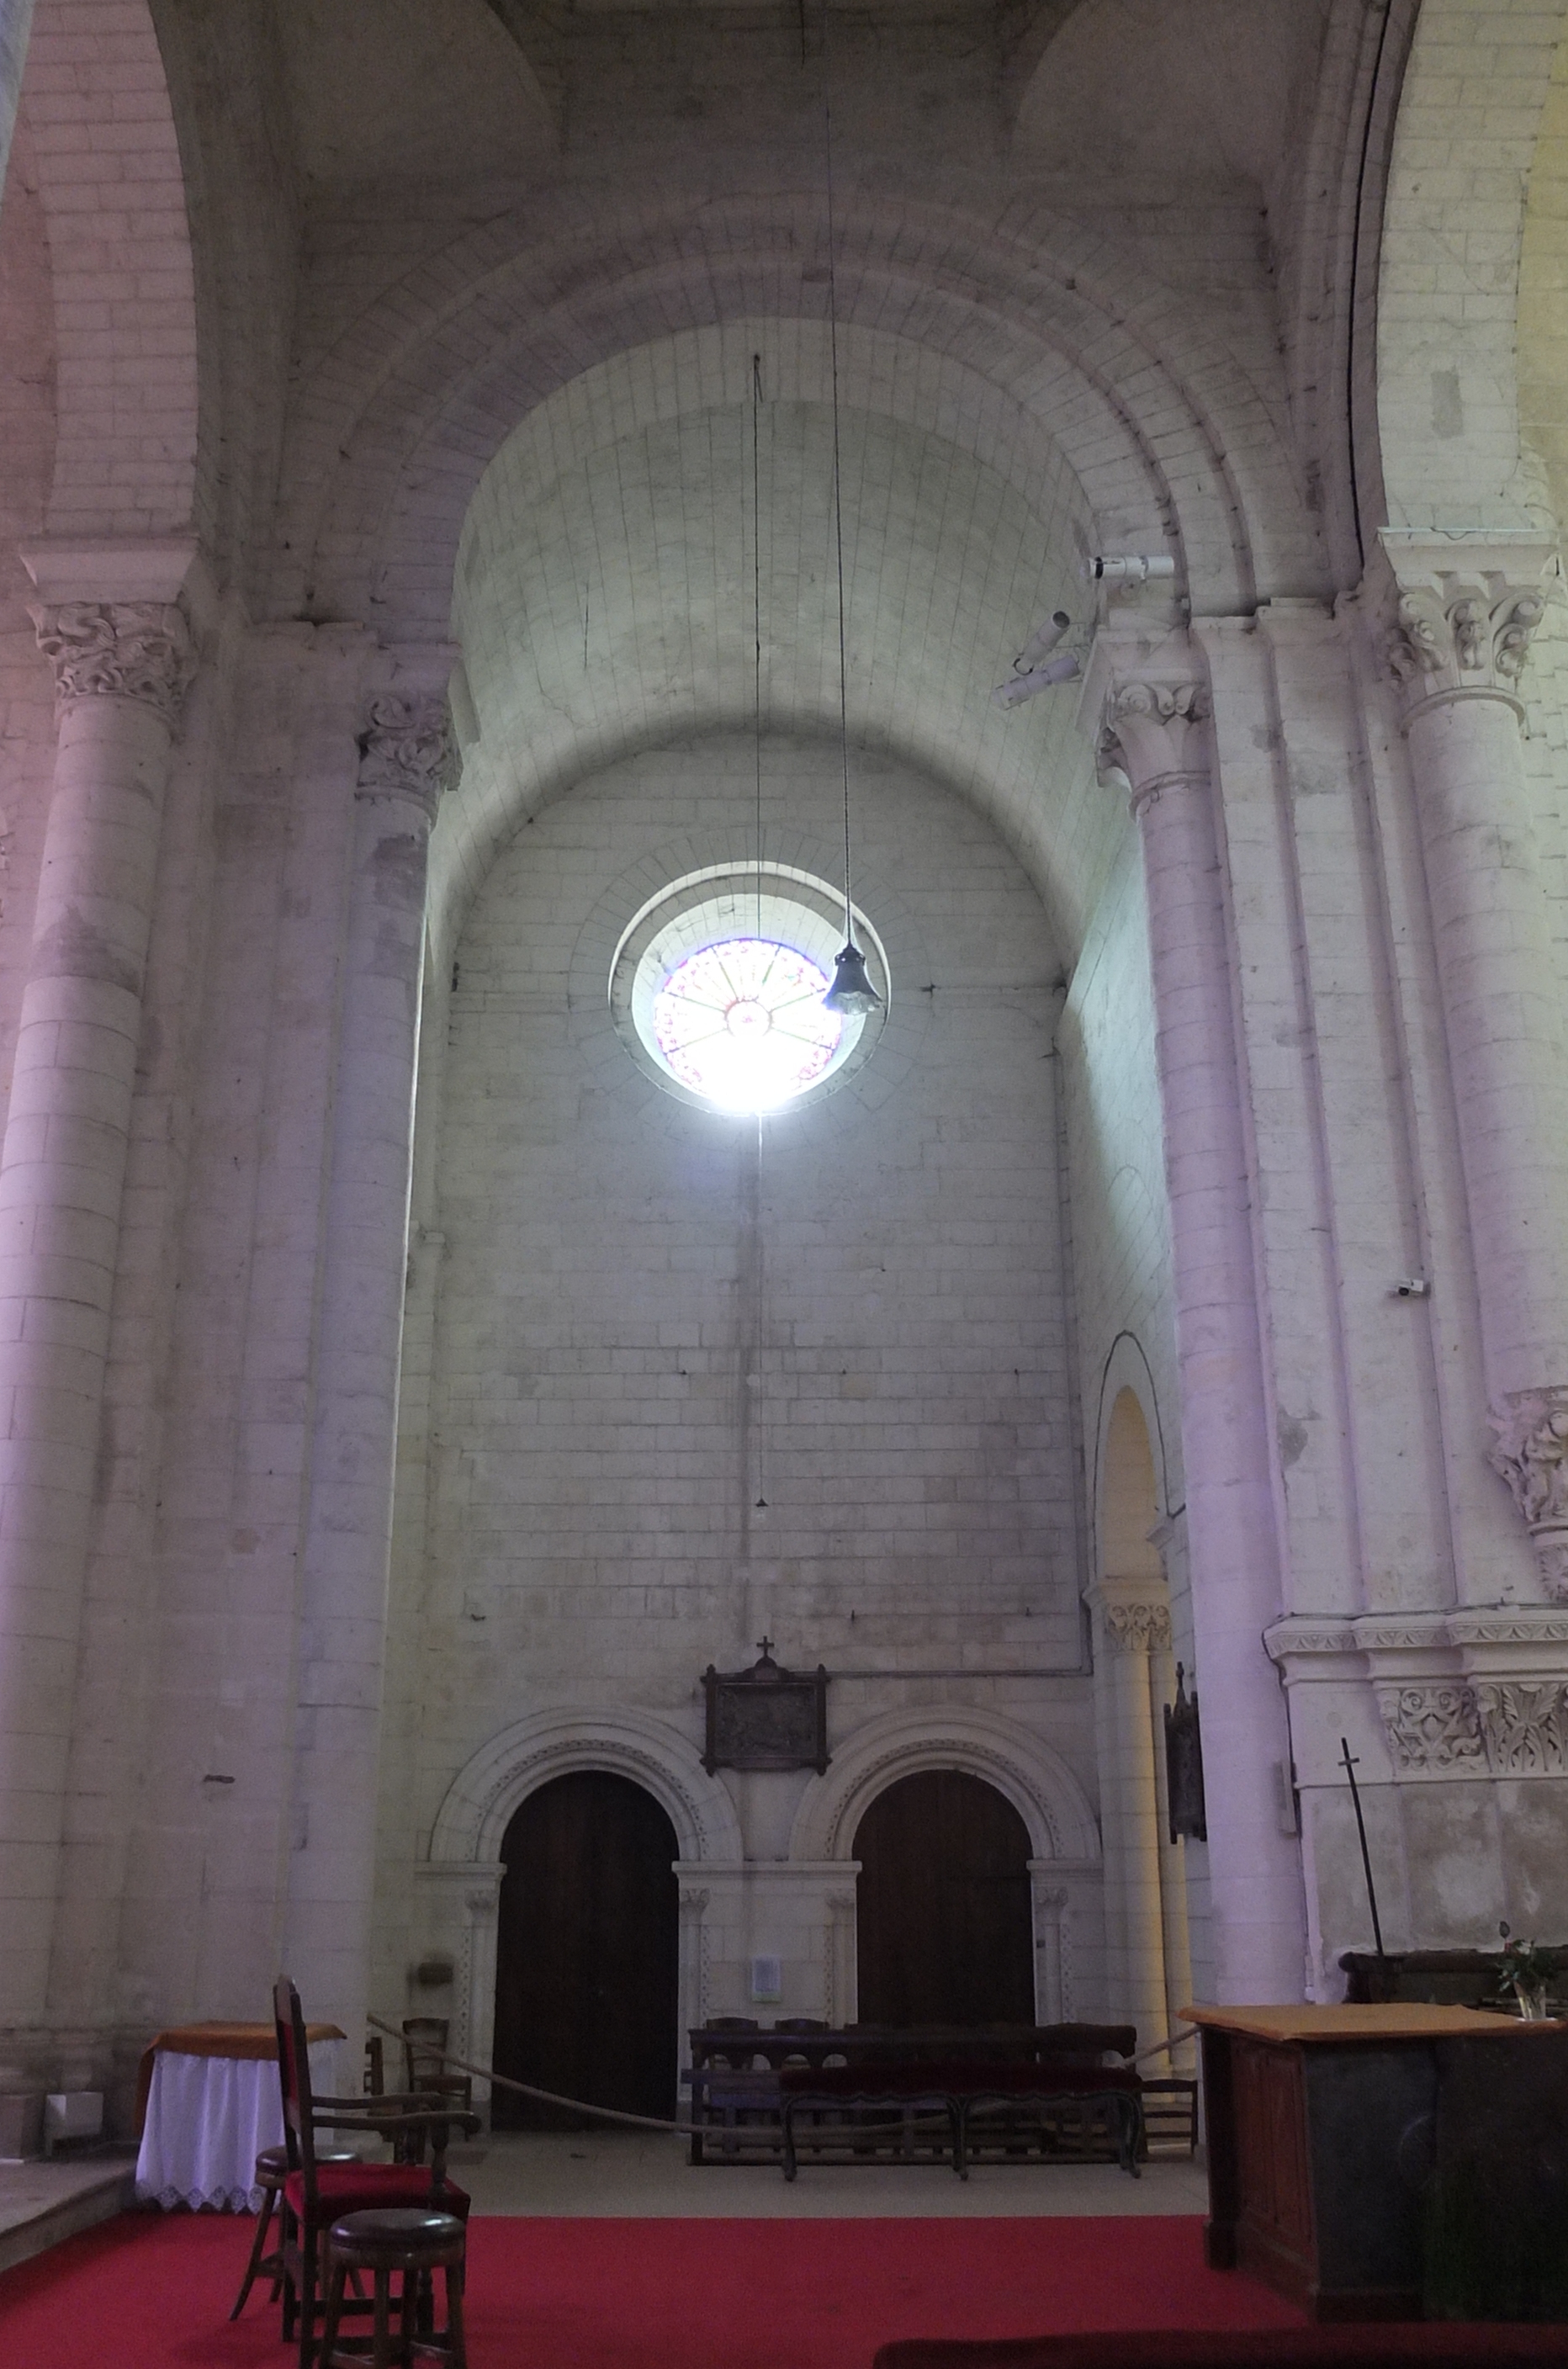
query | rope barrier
(1164,2047)
(545,2097)
(642,2122)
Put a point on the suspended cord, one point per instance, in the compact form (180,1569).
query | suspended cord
(547,2097)
(837,486)
(757,607)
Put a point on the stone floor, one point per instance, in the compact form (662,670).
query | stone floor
(617,2173)
(43,2203)
(623,2172)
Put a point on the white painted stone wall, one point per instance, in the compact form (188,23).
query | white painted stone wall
(595,1452)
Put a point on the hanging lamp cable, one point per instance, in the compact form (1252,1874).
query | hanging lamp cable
(838,472)
(852,991)
(757,607)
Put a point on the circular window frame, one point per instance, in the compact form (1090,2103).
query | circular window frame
(740,900)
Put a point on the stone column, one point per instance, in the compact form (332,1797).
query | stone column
(406,752)
(1130,1627)
(1467,609)
(121,668)
(1149,700)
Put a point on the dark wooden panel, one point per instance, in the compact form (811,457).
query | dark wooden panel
(1274,2234)
(587,1949)
(944,1924)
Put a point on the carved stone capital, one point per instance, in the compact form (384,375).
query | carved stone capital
(406,752)
(1530,1451)
(1150,729)
(1465,611)
(1525,1723)
(119,649)
(1433,1728)
(1136,1628)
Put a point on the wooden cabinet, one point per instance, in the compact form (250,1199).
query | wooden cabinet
(1324,2129)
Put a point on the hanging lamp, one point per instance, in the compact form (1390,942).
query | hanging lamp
(852,991)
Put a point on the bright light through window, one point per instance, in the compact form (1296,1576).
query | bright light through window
(742,1022)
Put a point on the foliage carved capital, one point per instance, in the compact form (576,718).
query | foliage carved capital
(119,649)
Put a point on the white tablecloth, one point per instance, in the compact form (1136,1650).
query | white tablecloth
(209,2118)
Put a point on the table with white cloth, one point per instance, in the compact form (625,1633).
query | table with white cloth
(212,2101)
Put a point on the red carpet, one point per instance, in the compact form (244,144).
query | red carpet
(153,2291)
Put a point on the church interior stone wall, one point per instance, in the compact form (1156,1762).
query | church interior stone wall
(427,428)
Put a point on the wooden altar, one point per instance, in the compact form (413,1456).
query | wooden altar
(1339,2136)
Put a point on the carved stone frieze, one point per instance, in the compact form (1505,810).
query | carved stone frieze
(407,750)
(1136,1628)
(1502,1712)
(1433,1727)
(1530,1450)
(119,649)
(1148,728)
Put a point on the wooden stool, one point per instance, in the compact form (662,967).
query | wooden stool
(417,2243)
(271,2171)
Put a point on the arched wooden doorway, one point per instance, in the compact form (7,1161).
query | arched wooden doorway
(944,1929)
(587,1949)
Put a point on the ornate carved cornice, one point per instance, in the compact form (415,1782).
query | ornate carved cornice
(1470,1692)
(1150,728)
(1465,610)
(1530,1451)
(119,649)
(406,752)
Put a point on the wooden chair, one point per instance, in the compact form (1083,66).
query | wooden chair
(271,2171)
(424,2059)
(315,2194)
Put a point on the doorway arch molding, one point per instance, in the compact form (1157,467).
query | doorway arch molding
(461,1880)
(483,1796)
(1064,1838)
(1025,1769)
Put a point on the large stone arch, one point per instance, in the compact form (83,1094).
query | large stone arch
(95,103)
(1448,361)
(399,417)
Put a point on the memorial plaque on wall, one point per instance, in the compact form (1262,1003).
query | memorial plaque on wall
(766,1717)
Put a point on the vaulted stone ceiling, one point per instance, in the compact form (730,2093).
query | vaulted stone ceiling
(1061,234)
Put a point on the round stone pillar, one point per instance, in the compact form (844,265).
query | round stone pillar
(1152,728)
(121,670)
(1466,613)
(354,1442)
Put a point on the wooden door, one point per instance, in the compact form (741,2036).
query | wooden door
(944,1932)
(586,1951)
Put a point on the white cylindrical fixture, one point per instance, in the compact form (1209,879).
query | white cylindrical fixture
(122,671)
(349,1525)
(1153,729)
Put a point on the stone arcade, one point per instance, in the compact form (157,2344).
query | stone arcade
(418,637)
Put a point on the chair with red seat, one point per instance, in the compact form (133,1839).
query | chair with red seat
(315,2194)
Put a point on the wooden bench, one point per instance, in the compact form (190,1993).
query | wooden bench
(960,2113)
(737,2103)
